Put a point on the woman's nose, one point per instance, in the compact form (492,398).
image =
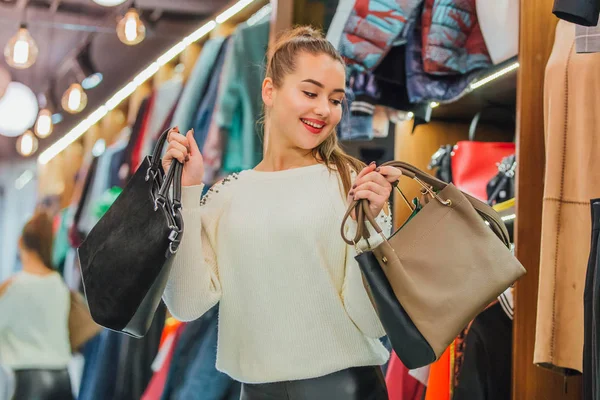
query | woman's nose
(322,110)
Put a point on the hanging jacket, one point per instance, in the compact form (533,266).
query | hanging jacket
(452,39)
(372,29)
(422,86)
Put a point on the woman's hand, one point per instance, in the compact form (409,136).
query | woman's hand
(185,150)
(374,184)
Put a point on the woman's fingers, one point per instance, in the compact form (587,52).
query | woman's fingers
(178,146)
(391,174)
(179,138)
(372,177)
(374,187)
(375,199)
(369,168)
(193,146)
(176,154)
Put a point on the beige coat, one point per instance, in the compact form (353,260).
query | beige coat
(572,130)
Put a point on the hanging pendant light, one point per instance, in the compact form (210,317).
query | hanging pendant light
(27,144)
(74,99)
(21,51)
(131,29)
(43,125)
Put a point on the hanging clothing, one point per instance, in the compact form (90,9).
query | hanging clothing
(202,376)
(452,42)
(131,156)
(85,179)
(239,103)
(422,86)
(499,23)
(587,39)
(487,366)
(98,381)
(60,246)
(206,109)
(336,28)
(580,12)
(371,29)
(439,386)
(359,383)
(134,367)
(157,383)
(197,83)
(100,184)
(591,303)
(161,112)
(401,385)
(572,171)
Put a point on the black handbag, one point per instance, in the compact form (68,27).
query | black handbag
(126,258)
(502,186)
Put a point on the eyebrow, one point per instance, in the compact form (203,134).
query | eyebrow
(319,84)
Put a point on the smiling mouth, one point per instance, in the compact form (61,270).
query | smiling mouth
(312,124)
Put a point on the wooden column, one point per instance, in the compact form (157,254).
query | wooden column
(537,26)
(282,17)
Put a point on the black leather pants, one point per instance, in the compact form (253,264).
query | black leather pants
(361,383)
(42,384)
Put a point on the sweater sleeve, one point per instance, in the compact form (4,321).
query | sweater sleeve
(193,286)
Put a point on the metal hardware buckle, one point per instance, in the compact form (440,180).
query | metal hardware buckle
(150,170)
(157,201)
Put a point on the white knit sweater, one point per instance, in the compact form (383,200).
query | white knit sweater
(267,246)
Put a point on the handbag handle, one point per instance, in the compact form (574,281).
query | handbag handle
(173,176)
(429,183)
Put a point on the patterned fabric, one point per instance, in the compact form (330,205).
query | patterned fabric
(587,39)
(371,30)
(452,39)
(422,86)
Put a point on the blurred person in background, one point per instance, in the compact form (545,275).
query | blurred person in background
(34,313)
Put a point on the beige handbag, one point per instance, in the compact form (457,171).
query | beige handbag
(435,274)
(81,325)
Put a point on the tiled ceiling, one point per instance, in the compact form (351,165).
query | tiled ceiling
(62,28)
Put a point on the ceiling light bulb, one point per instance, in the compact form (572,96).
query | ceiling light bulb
(74,99)
(43,125)
(131,29)
(21,51)
(18,109)
(109,3)
(27,144)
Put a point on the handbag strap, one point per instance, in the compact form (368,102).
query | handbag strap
(173,176)
(429,183)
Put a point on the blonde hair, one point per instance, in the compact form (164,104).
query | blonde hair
(282,61)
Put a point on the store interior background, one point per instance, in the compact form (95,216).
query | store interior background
(24,180)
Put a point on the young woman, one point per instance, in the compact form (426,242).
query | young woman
(34,314)
(295,320)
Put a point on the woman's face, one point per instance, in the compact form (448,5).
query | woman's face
(307,107)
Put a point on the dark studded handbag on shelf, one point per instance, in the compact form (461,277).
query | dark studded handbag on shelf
(126,258)
(434,275)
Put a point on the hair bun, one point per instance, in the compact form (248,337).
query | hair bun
(307,32)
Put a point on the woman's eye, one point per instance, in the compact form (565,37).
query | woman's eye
(336,102)
(311,95)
